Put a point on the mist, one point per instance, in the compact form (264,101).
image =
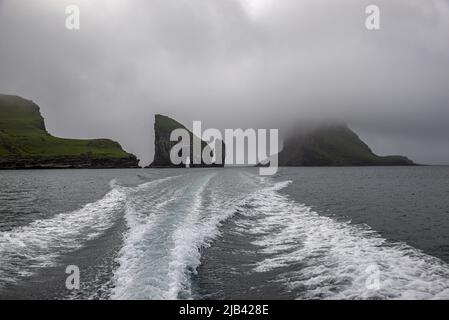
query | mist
(233,63)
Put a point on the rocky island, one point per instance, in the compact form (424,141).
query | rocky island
(332,144)
(26,144)
(163,126)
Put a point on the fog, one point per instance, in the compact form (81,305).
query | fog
(233,63)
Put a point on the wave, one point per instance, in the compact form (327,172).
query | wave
(26,248)
(318,257)
(168,228)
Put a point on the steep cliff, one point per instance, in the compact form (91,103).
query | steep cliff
(163,126)
(332,145)
(26,144)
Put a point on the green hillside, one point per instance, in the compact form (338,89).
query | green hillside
(23,135)
(332,145)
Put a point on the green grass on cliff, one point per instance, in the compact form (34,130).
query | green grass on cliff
(167,124)
(23,134)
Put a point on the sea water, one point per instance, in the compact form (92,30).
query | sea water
(305,233)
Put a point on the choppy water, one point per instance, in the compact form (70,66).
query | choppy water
(306,233)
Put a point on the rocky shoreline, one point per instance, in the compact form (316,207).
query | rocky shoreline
(66,162)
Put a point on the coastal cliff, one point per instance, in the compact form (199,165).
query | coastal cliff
(163,126)
(26,144)
(332,145)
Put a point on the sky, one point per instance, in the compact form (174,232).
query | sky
(234,64)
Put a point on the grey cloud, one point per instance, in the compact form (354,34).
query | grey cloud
(217,61)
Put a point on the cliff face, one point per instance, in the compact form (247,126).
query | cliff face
(26,144)
(163,126)
(332,145)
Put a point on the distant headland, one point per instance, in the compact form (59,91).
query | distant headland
(26,144)
(331,144)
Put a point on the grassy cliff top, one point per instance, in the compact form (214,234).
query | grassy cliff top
(167,124)
(23,134)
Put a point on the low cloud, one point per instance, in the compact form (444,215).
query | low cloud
(233,63)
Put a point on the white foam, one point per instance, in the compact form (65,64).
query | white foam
(319,257)
(162,248)
(36,245)
(148,263)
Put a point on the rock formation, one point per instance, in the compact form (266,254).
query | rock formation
(163,126)
(26,144)
(332,145)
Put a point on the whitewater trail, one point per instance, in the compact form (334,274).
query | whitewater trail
(162,248)
(37,245)
(318,257)
(26,249)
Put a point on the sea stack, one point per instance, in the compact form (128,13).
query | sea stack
(163,127)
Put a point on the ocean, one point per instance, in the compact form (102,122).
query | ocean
(305,233)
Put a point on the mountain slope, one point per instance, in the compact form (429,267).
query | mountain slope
(332,145)
(25,142)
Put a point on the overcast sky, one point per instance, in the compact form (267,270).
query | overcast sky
(233,63)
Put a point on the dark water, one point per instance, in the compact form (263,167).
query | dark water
(306,233)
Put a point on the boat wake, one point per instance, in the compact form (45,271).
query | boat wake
(169,225)
(318,257)
(25,249)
